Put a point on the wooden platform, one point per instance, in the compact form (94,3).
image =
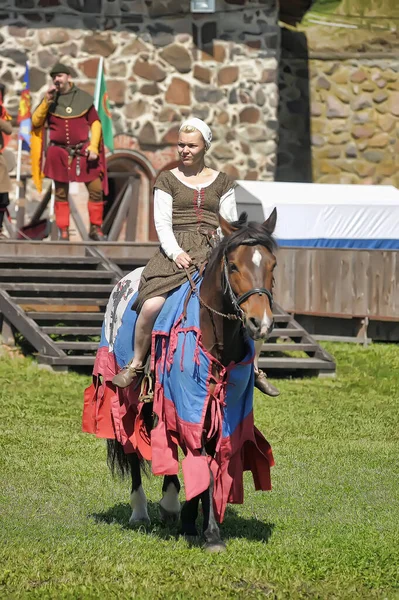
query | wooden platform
(55,293)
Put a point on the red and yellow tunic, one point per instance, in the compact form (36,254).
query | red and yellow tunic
(74,128)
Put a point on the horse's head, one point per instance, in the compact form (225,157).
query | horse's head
(247,271)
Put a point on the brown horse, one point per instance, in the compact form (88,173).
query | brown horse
(235,303)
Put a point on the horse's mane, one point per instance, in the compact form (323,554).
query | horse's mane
(246,230)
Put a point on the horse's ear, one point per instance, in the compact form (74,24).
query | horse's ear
(270,223)
(226,227)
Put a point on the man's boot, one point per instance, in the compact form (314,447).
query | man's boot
(96,233)
(63,234)
(264,385)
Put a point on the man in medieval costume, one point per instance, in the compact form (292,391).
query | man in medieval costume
(5,183)
(75,151)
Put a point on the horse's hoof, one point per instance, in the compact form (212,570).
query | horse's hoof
(137,523)
(214,547)
(166,517)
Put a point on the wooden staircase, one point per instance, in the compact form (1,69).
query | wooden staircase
(55,297)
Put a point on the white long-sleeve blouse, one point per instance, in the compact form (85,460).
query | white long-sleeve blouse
(163,209)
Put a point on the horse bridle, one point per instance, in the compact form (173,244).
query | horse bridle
(237,301)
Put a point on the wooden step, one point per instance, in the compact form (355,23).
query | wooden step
(72,330)
(306,347)
(66,316)
(291,364)
(57,287)
(29,261)
(55,273)
(92,346)
(63,301)
(287,332)
(68,361)
(281,318)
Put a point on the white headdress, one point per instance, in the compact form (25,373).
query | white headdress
(202,128)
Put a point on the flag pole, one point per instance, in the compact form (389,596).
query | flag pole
(98,83)
(18,174)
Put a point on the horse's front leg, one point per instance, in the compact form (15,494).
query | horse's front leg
(138,500)
(213,541)
(169,505)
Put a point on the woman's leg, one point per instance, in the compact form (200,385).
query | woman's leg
(261,381)
(144,324)
(142,341)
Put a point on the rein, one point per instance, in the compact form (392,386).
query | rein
(239,314)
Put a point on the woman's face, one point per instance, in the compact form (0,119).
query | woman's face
(191,148)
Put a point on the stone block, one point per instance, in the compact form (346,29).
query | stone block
(251,114)
(343,94)
(147,135)
(37,79)
(168,114)
(228,75)
(322,83)
(177,56)
(386,122)
(374,156)
(146,69)
(208,94)
(341,76)
(136,109)
(178,92)
(223,151)
(89,67)
(362,131)
(336,109)
(328,168)
(171,137)
(116,91)
(316,109)
(46,59)
(379,141)
(97,43)
(363,169)
(362,102)
(202,73)
(393,104)
(358,76)
(150,89)
(134,48)
(53,35)
(317,140)
(351,151)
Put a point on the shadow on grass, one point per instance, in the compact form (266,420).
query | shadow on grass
(233,526)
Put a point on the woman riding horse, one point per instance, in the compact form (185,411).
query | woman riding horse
(187,203)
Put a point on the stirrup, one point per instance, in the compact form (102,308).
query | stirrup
(147,388)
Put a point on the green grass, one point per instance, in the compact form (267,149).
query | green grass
(329,528)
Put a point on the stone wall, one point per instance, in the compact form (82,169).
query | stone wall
(162,64)
(348,82)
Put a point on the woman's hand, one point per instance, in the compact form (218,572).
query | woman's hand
(183,260)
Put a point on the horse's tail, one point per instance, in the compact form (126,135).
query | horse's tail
(119,462)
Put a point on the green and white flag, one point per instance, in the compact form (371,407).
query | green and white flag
(101,104)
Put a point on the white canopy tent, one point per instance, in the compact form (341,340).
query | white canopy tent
(324,215)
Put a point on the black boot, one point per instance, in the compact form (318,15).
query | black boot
(96,233)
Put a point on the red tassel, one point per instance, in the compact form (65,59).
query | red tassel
(61,210)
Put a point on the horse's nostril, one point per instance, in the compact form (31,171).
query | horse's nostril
(256,323)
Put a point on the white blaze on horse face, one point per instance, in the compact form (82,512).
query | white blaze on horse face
(265,325)
(256,257)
